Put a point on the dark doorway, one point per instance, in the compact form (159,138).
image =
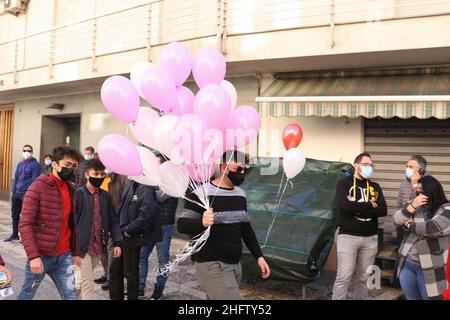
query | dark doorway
(58,131)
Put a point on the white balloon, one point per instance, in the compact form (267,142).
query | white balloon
(138,72)
(150,164)
(162,134)
(174,179)
(293,162)
(142,129)
(231,90)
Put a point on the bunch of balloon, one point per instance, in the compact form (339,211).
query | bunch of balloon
(294,159)
(191,131)
(293,163)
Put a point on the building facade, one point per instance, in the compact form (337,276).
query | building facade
(357,75)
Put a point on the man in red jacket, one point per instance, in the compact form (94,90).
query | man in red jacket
(48,229)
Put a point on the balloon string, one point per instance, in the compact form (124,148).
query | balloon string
(279,187)
(274,215)
(192,247)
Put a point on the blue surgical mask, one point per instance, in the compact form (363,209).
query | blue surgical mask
(409,173)
(366,172)
(48,162)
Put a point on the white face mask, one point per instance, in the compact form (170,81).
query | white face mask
(87,157)
(409,173)
(48,162)
(26,155)
(366,172)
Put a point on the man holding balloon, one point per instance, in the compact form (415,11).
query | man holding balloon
(217,263)
(193,131)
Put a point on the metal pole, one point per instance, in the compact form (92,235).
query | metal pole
(149,32)
(332,22)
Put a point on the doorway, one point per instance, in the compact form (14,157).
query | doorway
(6,131)
(60,131)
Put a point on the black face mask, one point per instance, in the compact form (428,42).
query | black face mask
(236,177)
(65,173)
(96,182)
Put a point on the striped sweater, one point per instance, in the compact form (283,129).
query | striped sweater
(431,238)
(231,225)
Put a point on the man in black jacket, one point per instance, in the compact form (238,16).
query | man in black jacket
(167,208)
(95,222)
(140,224)
(360,202)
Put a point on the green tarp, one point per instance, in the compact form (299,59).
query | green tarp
(304,228)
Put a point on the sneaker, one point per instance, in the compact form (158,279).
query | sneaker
(105,286)
(101,280)
(13,239)
(17,240)
(157,293)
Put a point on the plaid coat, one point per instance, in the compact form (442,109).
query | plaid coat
(432,237)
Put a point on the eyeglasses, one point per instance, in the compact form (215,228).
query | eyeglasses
(69,165)
(367,165)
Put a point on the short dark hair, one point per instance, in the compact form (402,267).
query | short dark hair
(360,156)
(48,156)
(95,164)
(27,145)
(433,189)
(91,149)
(421,162)
(66,151)
(236,156)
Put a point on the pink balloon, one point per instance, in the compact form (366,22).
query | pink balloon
(177,60)
(185,104)
(159,89)
(243,126)
(212,103)
(142,129)
(120,98)
(200,173)
(209,67)
(120,155)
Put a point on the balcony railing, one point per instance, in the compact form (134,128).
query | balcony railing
(155,23)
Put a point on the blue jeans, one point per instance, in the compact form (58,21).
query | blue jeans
(413,282)
(60,270)
(163,250)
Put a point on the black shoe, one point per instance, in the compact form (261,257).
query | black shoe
(101,280)
(13,239)
(157,293)
(141,293)
(105,286)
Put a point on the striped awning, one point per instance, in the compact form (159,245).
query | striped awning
(403,93)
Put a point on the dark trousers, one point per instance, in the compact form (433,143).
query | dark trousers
(127,266)
(16,208)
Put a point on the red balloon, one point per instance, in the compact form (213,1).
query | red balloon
(292,136)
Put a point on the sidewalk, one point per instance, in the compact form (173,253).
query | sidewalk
(182,283)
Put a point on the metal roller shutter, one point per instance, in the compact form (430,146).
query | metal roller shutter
(392,141)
